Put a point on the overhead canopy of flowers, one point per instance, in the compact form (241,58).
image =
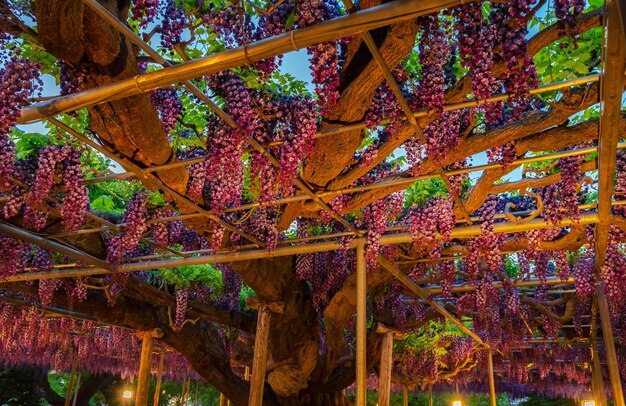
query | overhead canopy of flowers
(460,143)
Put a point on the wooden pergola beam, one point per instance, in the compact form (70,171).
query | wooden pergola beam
(360,126)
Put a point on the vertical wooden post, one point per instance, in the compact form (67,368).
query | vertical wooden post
(261,340)
(430,395)
(361,333)
(246,374)
(223,400)
(597,381)
(70,385)
(609,345)
(157,389)
(386,361)
(145,364)
(492,382)
(259,361)
(76,391)
(405,396)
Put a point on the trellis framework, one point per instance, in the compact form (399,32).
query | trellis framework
(358,22)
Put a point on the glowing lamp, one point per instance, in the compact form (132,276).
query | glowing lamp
(127,394)
(589,403)
(457,403)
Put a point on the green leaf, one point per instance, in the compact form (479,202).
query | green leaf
(290,20)
(103,203)
(581,68)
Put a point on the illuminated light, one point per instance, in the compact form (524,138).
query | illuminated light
(127,394)
(457,403)
(589,403)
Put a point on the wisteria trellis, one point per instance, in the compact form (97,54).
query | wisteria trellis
(263,153)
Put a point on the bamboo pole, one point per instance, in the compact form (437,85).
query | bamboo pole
(15,232)
(354,189)
(249,254)
(157,388)
(361,320)
(70,385)
(75,397)
(405,396)
(492,382)
(408,282)
(259,361)
(368,19)
(386,361)
(145,365)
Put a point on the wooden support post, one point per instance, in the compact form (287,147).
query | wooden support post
(609,345)
(597,380)
(361,328)
(386,361)
(430,395)
(261,340)
(157,389)
(405,396)
(188,391)
(76,390)
(223,400)
(183,387)
(145,364)
(70,385)
(492,382)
